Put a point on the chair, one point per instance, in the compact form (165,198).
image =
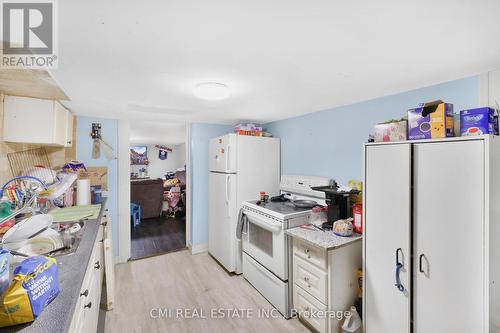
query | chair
(135,214)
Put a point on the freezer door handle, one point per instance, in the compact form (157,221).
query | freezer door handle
(399,266)
(227,158)
(227,189)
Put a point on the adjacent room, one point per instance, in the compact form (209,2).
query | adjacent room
(259,166)
(157,189)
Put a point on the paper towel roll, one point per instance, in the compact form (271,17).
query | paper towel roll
(83,192)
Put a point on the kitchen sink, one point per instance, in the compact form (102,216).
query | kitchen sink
(70,238)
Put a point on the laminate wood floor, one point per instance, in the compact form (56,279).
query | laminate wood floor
(180,280)
(157,236)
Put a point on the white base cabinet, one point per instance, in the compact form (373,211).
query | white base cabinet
(324,283)
(37,121)
(431,236)
(86,313)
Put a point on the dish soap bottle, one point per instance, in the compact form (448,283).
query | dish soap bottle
(352,324)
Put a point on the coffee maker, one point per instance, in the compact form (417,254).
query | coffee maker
(339,203)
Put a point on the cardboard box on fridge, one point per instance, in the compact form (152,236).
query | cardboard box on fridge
(430,120)
(391,131)
(97,176)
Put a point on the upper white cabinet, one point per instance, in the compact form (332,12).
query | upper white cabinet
(37,121)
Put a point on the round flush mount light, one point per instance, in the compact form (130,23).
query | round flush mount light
(212,91)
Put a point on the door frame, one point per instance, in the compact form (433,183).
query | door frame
(123,225)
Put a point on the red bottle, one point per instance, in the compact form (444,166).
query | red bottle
(357,213)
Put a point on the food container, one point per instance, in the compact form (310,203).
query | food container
(248,129)
(391,131)
(430,120)
(343,227)
(478,121)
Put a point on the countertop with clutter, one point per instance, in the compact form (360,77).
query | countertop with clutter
(325,239)
(56,317)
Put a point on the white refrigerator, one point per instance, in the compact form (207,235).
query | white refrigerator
(240,167)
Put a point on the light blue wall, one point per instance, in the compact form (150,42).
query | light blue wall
(200,137)
(329,143)
(84,154)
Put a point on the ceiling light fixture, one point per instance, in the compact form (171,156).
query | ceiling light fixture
(211,91)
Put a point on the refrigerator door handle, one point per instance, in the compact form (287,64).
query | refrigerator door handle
(399,266)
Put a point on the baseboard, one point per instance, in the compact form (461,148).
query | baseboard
(198,248)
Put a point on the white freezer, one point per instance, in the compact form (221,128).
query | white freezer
(222,154)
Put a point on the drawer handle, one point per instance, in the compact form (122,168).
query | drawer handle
(306,278)
(306,250)
(88,305)
(85,293)
(309,286)
(309,257)
(104,223)
(97,265)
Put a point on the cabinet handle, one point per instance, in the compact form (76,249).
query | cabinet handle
(88,305)
(399,266)
(306,278)
(420,268)
(306,250)
(85,293)
(104,223)
(97,265)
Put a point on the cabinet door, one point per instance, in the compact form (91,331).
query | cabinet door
(69,129)
(60,124)
(448,237)
(387,229)
(28,120)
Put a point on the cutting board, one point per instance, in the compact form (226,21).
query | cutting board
(75,213)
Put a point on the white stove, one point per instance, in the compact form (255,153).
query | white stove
(265,247)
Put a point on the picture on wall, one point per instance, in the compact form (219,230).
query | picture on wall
(162,154)
(138,155)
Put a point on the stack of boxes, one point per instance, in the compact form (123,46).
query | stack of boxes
(248,129)
(434,120)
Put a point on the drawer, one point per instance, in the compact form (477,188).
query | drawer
(310,278)
(312,254)
(312,311)
(85,293)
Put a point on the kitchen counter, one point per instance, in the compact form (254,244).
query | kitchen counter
(56,317)
(326,240)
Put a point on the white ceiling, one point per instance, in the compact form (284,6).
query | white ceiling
(151,132)
(281,58)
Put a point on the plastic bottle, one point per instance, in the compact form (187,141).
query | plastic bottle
(4,270)
(352,324)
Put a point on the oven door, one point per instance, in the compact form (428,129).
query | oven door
(264,240)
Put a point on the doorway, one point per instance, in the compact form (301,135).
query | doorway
(158,190)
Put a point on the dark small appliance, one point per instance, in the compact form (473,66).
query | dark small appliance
(339,203)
